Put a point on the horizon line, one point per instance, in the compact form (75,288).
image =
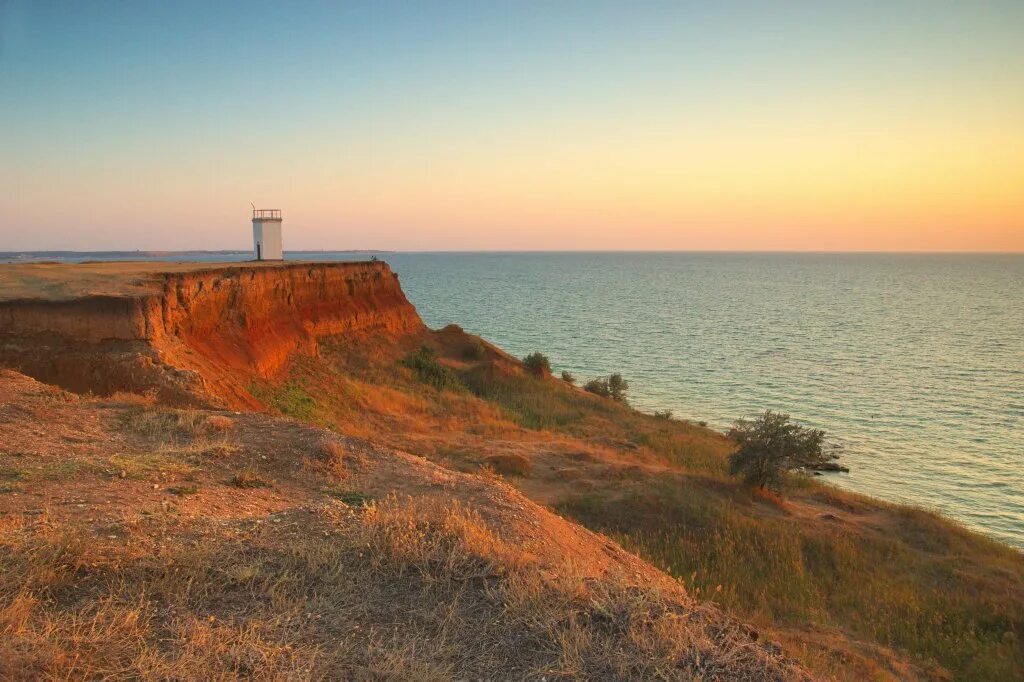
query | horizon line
(527,251)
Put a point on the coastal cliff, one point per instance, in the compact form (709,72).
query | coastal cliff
(189,333)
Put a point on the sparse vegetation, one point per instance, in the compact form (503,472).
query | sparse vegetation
(613,386)
(250,478)
(663,414)
(428,369)
(332,462)
(349,497)
(295,401)
(532,404)
(219,422)
(11,475)
(183,490)
(510,464)
(568,378)
(175,441)
(537,364)
(174,428)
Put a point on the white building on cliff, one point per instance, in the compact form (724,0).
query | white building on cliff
(266,234)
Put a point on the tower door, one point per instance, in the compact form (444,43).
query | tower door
(259,254)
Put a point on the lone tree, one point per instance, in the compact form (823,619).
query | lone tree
(771,446)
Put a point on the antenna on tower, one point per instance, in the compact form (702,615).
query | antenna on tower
(253,209)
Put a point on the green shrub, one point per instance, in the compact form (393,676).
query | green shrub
(429,370)
(598,387)
(663,414)
(295,401)
(613,387)
(568,378)
(537,364)
(290,399)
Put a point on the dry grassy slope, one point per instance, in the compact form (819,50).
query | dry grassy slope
(854,587)
(138,540)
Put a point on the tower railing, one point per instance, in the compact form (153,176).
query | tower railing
(266,213)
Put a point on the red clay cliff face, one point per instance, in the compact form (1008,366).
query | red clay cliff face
(190,335)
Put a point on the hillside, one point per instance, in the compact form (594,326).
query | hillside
(408,516)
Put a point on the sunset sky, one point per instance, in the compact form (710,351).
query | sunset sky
(519,125)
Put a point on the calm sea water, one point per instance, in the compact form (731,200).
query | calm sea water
(914,364)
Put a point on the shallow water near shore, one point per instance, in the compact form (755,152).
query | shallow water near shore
(913,363)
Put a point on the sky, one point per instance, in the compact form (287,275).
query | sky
(570,125)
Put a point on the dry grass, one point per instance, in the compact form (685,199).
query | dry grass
(403,590)
(510,464)
(250,478)
(219,422)
(334,455)
(179,432)
(922,585)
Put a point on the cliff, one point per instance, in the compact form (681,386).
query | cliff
(186,331)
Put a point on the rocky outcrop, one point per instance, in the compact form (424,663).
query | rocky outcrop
(189,335)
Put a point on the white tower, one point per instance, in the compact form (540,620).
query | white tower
(266,234)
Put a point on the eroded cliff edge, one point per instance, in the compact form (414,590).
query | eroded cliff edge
(192,333)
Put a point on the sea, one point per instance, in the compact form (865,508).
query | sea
(913,364)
